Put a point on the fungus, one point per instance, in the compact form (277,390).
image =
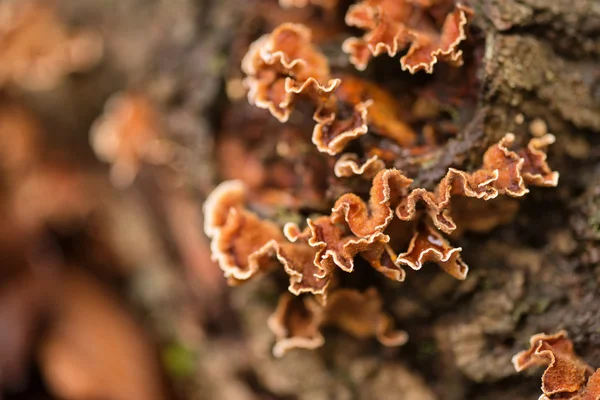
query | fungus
(355,108)
(37,50)
(295,324)
(367,219)
(385,116)
(503,172)
(361,315)
(244,245)
(241,242)
(380,216)
(350,165)
(334,246)
(305,275)
(282,65)
(128,134)
(567,376)
(297,321)
(535,168)
(394,25)
(428,245)
(332,133)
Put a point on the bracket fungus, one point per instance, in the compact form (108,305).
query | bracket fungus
(244,245)
(37,50)
(350,165)
(567,376)
(372,213)
(394,25)
(282,65)
(296,322)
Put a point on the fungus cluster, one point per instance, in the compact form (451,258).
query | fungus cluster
(371,212)
(297,321)
(431,30)
(567,376)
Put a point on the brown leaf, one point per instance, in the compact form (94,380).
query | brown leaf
(94,349)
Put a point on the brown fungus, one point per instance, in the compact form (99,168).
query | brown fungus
(368,222)
(394,25)
(349,165)
(361,315)
(306,276)
(297,321)
(592,388)
(241,242)
(295,324)
(386,115)
(355,108)
(282,65)
(567,376)
(244,245)
(428,245)
(390,222)
(332,133)
(335,246)
(366,219)
(502,173)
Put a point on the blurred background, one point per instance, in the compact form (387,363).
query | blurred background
(107,290)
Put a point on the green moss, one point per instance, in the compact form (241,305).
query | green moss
(427,350)
(179,361)
(594,221)
(540,306)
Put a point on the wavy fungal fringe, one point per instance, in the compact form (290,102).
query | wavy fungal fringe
(349,165)
(395,25)
(297,321)
(567,376)
(503,172)
(282,65)
(428,245)
(398,225)
(244,245)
